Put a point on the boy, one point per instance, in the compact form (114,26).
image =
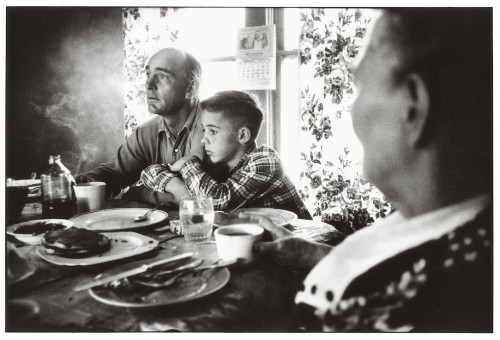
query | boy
(231,121)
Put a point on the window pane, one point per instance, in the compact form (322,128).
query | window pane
(290,118)
(217,76)
(209,32)
(292,28)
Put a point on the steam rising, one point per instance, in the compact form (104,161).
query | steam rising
(86,87)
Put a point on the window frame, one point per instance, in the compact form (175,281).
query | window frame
(270,99)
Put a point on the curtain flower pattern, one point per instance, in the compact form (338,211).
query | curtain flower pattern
(330,182)
(146,31)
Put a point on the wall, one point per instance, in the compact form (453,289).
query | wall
(64,87)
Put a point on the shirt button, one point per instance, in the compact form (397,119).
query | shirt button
(176,150)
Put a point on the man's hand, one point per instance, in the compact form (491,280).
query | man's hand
(176,167)
(143,194)
(286,249)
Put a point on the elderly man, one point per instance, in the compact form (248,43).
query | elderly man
(424,116)
(172,94)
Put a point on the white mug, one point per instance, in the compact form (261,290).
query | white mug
(235,241)
(90,196)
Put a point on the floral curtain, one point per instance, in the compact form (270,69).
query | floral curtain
(330,182)
(146,31)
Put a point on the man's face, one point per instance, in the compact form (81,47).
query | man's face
(166,83)
(220,138)
(377,110)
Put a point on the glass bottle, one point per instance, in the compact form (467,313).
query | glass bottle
(58,199)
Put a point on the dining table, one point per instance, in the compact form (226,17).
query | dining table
(256,298)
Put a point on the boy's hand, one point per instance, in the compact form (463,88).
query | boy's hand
(176,167)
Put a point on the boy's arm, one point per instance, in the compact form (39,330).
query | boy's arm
(158,178)
(254,180)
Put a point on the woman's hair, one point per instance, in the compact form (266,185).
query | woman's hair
(451,49)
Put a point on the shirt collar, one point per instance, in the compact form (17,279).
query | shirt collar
(192,119)
(245,156)
(383,240)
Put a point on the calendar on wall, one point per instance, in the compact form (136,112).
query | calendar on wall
(256,58)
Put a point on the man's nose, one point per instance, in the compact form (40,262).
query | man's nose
(151,83)
(204,140)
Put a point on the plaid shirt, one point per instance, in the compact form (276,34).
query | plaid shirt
(257,180)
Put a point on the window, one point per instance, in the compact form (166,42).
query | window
(214,45)
(200,32)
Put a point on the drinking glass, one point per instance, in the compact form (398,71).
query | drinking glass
(197,217)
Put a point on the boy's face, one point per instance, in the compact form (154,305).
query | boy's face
(220,138)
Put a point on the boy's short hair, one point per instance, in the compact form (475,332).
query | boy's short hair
(241,108)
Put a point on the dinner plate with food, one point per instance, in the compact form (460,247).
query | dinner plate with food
(32,232)
(278,216)
(81,247)
(120,219)
(189,285)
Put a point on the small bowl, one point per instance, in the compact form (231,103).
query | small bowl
(15,199)
(38,229)
(235,241)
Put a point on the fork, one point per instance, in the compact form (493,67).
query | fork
(173,279)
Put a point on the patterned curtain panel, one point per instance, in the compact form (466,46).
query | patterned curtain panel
(146,31)
(331,183)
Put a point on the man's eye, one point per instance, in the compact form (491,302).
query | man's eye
(212,132)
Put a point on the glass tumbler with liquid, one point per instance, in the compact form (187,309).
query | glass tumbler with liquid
(197,217)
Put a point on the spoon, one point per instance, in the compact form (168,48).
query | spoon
(224,218)
(144,217)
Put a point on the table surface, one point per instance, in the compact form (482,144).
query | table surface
(256,299)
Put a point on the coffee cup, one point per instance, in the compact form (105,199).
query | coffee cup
(90,196)
(235,241)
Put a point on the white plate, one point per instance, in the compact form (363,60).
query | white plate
(34,239)
(23,182)
(278,216)
(189,287)
(123,245)
(118,219)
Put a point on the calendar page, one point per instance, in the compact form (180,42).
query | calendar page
(256,58)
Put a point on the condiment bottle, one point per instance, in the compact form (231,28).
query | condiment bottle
(58,199)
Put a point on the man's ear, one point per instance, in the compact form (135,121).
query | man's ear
(192,90)
(417,113)
(244,135)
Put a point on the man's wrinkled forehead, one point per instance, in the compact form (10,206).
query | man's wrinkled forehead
(168,59)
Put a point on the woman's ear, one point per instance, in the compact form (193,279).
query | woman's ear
(417,114)
(244,135)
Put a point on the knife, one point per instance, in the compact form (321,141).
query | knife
(131,272)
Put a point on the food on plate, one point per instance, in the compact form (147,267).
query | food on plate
(75,242)
(38,228)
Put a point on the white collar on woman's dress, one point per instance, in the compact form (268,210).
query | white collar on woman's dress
(381,241)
